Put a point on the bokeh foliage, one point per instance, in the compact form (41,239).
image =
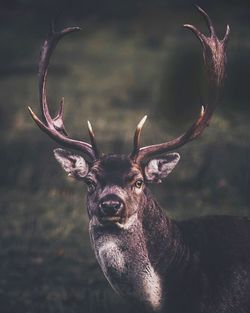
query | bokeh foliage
(130,59)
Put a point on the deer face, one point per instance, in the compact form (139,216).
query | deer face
(115,189)
(116,184)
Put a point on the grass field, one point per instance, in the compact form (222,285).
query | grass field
(111,73)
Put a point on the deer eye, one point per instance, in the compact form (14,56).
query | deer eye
(139,183)
(91,185)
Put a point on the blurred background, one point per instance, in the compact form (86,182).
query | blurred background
(132,58)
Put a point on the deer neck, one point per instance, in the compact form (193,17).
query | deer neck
(134,259)
(165,245)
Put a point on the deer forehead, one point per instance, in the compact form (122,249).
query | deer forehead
(115,169)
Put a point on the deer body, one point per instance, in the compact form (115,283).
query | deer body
(195,266)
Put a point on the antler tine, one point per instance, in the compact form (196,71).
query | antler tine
(225,39)
(54,127)
(207,20)
(214,52)
(93,140)
(137,136)
(58,119)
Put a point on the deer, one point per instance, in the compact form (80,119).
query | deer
(198,265)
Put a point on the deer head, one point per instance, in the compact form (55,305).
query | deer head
(116,182)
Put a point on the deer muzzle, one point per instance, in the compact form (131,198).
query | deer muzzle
(111,209)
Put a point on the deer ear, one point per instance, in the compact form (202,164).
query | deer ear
(73,164)
(157,169)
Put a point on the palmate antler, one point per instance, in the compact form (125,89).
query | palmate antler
(215,58)
(54,127)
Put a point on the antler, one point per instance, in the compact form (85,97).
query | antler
(54,127)
(215,57)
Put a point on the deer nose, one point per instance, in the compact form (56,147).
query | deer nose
(110,205)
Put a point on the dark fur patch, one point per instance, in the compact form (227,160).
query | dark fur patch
(115,169)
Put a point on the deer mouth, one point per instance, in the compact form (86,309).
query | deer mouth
(107,220)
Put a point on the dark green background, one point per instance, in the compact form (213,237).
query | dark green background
(132,58)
